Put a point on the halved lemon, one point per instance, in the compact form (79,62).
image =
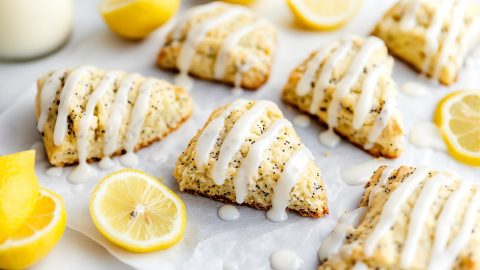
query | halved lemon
(458,116)
(135,19)
(323,14)
(37,236)
(18,190)
(136,212)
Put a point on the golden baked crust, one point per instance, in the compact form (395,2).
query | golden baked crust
(168,107)
(308,196)
(390,141)
(389,251)
(253,54)
(404,29)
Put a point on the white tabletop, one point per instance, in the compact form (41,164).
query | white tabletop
(76,251)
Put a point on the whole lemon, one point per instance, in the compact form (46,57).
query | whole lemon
(135,19)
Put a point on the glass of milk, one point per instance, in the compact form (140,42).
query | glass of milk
(33,28)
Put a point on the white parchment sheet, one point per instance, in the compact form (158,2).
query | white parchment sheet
(248,242)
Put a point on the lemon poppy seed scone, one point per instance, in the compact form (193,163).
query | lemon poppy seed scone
(86,113)
(248,153)
(409,218)
(221,42)
(433,36)
(348,86)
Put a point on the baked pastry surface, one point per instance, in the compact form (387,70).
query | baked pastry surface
(248,153)
(432,36)
(348,86)
(221,42)
(109,99)
(413,218)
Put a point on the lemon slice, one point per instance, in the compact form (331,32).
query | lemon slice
(135,211)
(323,14)
(37,236)
(458,116)
(135,19)
(18,190)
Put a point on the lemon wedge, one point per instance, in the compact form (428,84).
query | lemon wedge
(323,14)
(18,190)
(137,212)
(135,19)
(458,116)
(37,236)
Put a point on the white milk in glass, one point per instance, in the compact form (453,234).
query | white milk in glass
(32,28)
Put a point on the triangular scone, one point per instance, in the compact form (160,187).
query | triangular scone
(248,153)
(434,36)
(93,113)
(221,42)
(347,84)
(409,218)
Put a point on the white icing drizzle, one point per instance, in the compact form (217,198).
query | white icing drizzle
(83,170)
(360,173)
(250,165)
(346,224)
(451,37)
(293,170)
(228,44)
(432,35)
(137,120)
(210,134)
(235,138)
(326,74)
(382,182)
(427,135)
(194,36)
(393,206)
(444,227)
(241,68)
(285,259)
(196,11)
(344,86)
(360,266)
(54,172)
(106,163)
(47,96)
(415,89)
(228,213)
(114,122)
(364,103)
(470,35)
(448,256)
(305,84)
(382,120)
(409,18)
(418,216)
(66,96)
(362,107)
(329,138)
(301,120)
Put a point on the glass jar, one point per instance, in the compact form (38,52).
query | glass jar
(33,28)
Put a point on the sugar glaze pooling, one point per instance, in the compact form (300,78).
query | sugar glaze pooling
(285,259)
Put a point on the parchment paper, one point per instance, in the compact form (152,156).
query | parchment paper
(247,243)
